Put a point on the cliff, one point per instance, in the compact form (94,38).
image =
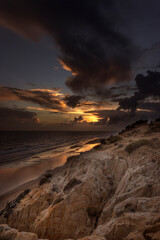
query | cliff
(111,192)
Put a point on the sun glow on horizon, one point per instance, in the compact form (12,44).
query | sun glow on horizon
(91,118)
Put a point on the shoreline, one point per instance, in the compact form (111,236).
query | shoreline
(13,193)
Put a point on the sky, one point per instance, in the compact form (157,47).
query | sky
(76,65)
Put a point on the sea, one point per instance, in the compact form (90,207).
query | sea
(25,155)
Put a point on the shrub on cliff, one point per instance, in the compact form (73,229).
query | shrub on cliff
(154,127)
(136,144)
(72,183)
(45,179)
(103,141)
(157,120)
(113,139)
(11,205)
(58,200)
(133,125)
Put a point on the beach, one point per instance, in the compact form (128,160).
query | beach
(22,164)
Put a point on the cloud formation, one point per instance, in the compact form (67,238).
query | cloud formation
(44,97)
(78,119)
(73,100)
(147,86)
(86,32)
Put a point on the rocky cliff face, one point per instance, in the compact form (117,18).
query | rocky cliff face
(111,192)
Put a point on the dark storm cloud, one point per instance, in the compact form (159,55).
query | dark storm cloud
(117,92)
(17,118)
(41,97)
(118,95)
(130,103)
(124,87)
(73,100)
(78,119)
(86,32)
(147,86)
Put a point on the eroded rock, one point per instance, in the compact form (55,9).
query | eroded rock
(106,193)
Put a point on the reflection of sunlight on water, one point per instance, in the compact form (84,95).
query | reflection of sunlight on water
(87,147)
(11,177)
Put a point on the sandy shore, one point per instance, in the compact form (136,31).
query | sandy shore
(16,179)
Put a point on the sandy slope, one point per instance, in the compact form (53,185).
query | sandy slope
(106,193)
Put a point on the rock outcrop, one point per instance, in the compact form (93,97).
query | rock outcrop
(106,193)
(7,233)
